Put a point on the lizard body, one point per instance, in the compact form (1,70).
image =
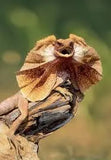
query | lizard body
(15,101)
(9,104)
(48,65)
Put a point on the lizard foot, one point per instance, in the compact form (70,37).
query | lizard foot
(13,142)
(64,92)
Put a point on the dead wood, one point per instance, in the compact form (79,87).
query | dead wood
(44,118)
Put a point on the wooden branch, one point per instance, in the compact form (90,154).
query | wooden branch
(27,152)
(44,118)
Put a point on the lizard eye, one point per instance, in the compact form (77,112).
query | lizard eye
(71,44)
(59,44)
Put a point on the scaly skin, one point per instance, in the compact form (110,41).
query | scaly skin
(63,49)
(11,103)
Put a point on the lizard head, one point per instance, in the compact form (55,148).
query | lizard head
(76,48)
(64,48)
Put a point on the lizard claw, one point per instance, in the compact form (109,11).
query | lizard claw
(67,95)
(14,143)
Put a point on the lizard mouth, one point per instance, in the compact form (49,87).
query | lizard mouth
(64,51)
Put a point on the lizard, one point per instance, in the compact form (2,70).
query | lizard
(50,63)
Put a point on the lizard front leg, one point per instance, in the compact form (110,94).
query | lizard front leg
(22,104)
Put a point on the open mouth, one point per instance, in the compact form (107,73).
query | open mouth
(66,51)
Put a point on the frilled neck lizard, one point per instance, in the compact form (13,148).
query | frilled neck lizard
(48,65)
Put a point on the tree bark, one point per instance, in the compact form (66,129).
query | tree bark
(28,149)
(44,118)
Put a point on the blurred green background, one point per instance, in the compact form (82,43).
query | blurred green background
(22,23)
